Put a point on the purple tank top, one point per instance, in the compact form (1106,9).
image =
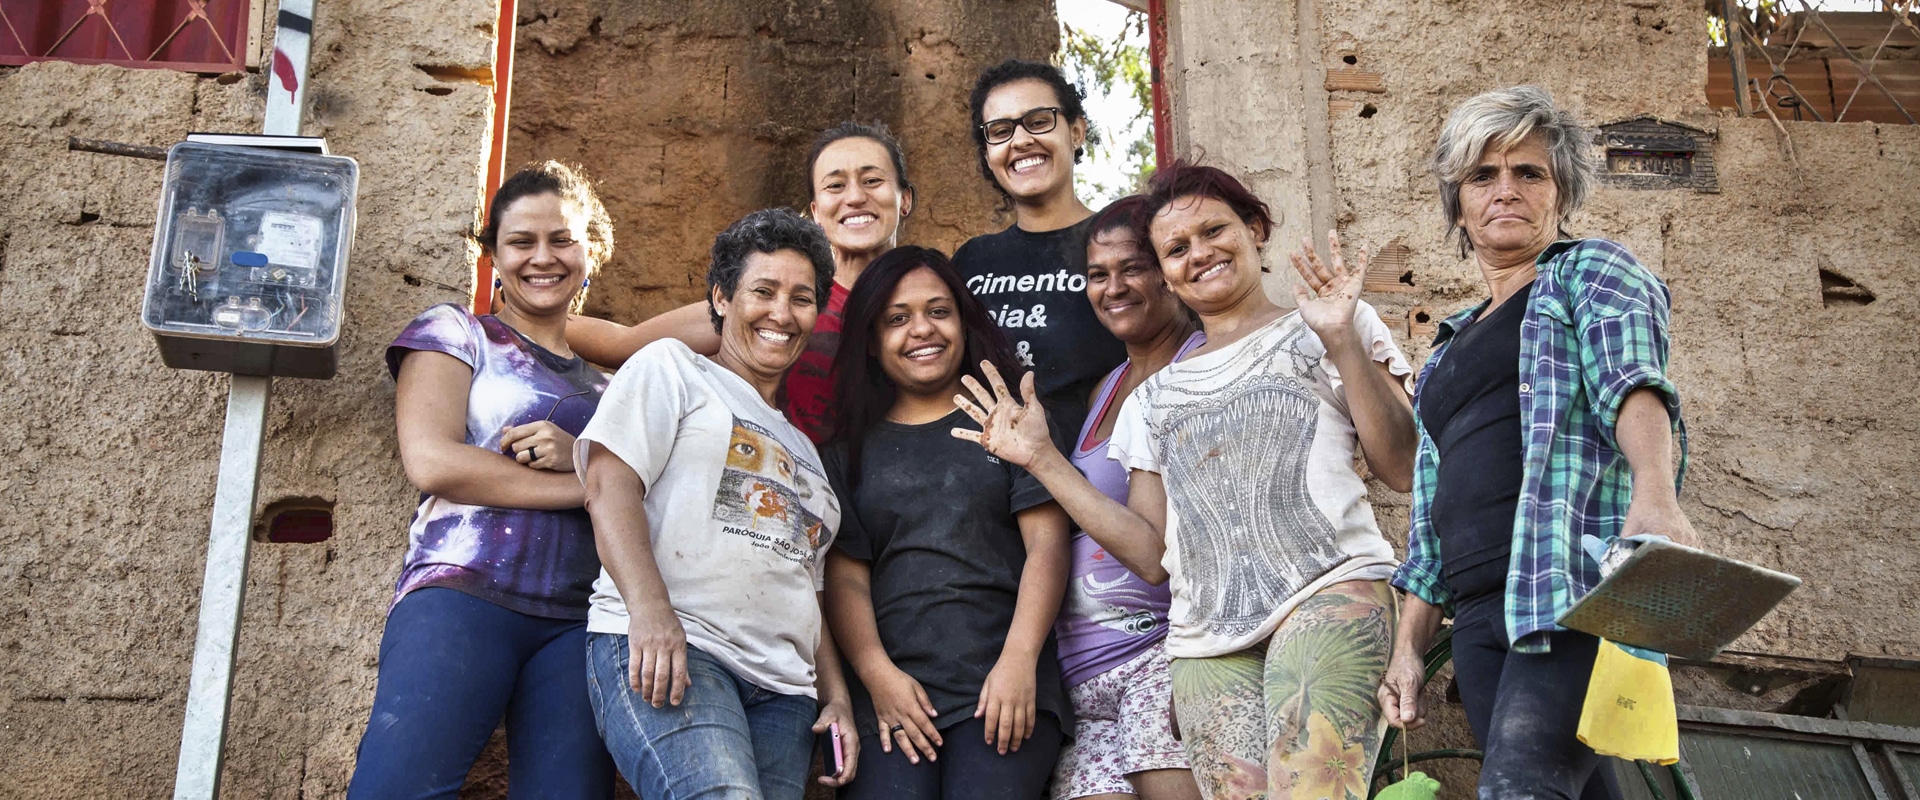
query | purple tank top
(1110,615)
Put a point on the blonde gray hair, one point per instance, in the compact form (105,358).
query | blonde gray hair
(1501,119)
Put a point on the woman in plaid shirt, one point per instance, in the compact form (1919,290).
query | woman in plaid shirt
(1544,414)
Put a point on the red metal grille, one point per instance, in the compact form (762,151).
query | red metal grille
(187,35)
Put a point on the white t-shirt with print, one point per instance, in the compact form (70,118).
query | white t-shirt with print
(740,513)
(1255,444)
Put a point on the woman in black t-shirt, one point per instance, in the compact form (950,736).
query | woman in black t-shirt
(950,564)
(1029,129)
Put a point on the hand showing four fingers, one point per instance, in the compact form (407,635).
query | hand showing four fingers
(1329,292)
(1012,430)
(541,445)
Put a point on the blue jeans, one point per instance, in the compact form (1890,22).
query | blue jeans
(451,665)
(728,738)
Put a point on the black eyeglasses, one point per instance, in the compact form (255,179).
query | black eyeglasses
(1037,121)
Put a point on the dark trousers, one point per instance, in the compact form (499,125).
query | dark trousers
(968,768)
(451,666)
(1525,707)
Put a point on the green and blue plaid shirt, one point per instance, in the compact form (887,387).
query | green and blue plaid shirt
(1595,330)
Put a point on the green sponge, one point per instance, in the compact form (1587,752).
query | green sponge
(1416,786)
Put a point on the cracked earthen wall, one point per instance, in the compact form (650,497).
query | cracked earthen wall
(109,475)
(1799,402)
(689,118)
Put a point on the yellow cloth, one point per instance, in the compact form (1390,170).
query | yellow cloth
(1629,710)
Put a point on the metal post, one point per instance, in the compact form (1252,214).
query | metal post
(223,590)
(203,736)
(287,85)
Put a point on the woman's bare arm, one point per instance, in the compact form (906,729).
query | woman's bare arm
(430,414)
(1017,432)
(610,344)
(1134,534)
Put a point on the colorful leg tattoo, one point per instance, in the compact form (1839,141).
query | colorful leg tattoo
(1322,669)
(1296,718)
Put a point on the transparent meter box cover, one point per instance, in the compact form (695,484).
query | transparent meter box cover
(249,264)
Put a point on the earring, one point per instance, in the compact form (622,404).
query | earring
(586,283)
(496,283)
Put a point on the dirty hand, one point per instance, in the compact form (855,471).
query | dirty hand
(1399,692)
(1010,429)
(905,716)
(656,653)
(1658,513)
(839,712)
(541,445)
(1328,294)
(1007,703)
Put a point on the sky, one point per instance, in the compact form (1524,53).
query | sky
(1107,110)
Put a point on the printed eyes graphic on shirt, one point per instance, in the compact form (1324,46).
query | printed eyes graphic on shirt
(763,495)
(755,452)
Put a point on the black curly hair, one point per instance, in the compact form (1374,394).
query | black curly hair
(768,230)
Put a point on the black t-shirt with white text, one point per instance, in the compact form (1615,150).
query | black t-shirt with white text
(1035,287)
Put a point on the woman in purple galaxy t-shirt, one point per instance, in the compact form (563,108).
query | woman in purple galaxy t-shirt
(1112,623)
(489,616)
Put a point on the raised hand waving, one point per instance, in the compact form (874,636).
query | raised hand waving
(1328,293)
(1011,430)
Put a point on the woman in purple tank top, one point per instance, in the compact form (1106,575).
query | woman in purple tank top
(1112,623)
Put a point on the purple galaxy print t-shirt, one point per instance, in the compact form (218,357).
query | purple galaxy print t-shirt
(1110,614)
(540,563)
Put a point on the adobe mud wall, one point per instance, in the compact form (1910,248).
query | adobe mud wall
(109,476)
(689,117)
(688,122)
(1798,399)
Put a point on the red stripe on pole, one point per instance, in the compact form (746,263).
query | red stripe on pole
(497,151)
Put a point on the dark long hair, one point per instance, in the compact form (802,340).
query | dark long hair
(863,390)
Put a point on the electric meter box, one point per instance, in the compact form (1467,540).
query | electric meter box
(249,266)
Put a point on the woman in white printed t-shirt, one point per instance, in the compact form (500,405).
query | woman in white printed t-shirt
(1243,493)
(709,667)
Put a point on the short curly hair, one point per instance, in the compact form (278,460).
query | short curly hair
(569,183)
(768,230)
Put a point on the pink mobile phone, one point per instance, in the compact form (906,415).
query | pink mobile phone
(839,756)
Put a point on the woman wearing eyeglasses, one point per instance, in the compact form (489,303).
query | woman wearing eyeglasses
(489,616)
(1029,129)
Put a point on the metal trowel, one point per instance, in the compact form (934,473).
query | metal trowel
(1675,599)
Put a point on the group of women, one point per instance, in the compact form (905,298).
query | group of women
(1079,512)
